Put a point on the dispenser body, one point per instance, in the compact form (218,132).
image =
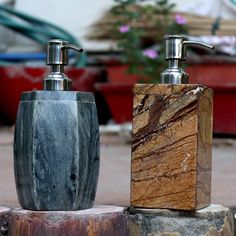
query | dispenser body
(171,146)
(56,150)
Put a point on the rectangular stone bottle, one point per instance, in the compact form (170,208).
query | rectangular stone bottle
(172,138)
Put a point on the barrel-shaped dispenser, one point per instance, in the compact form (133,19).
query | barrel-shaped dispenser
(56,146)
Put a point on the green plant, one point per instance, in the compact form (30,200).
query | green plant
(139,29)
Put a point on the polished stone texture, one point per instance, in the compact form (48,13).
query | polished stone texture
(97,221)
(214,220)
(171,147)
(56,150)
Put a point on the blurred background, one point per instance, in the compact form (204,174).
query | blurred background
(123,41)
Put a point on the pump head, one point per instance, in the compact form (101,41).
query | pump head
(175,50)
(57,58)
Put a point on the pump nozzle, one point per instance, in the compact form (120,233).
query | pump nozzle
(175,53)
(57,58)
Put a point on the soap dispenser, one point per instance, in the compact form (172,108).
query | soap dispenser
(56,144)
(172,137)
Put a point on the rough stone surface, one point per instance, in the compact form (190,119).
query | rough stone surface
(4,219)
(97,221)
(171,147)
(105,220)
(214,220)
(56,150)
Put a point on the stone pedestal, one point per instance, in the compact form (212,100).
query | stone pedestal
(171,147)
(98,221)
(214,220)
(4,219)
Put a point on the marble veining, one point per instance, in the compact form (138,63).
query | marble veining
(172,127)
(56,150)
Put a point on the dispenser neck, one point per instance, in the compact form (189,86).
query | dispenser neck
(57,81)
(174,74)
(57,69)
(174,63)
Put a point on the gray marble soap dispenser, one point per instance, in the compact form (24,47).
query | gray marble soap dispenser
(56,146)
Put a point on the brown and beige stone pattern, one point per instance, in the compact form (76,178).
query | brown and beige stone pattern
(97,221)
(171,147)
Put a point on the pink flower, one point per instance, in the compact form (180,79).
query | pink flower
(180,20)
(124,28)
(150,53)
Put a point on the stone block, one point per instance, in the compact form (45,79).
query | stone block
(214,220)
(171,146)
(4,219)
(97,221)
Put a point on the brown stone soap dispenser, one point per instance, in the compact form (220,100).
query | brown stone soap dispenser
(172,138)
